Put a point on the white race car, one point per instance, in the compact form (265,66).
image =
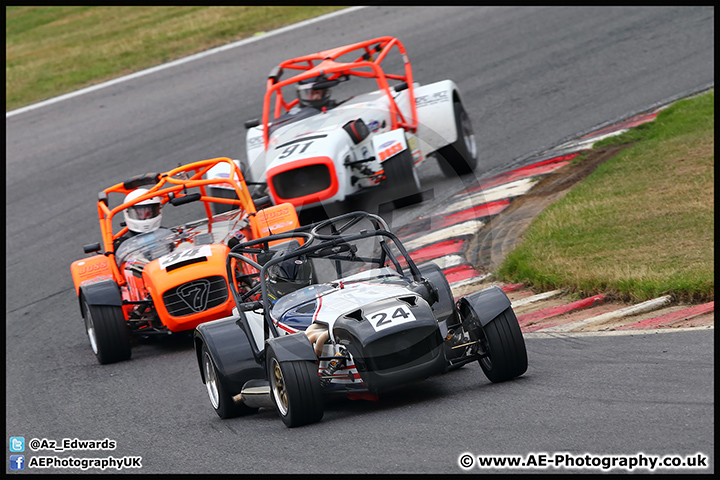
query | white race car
(315,150)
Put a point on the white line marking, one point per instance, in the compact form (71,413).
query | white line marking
(542,334)
(507,190)
(446,262)
(465,228)
(180,61)
(536,298)
(649,306)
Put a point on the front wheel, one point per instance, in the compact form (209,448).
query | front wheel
(402,183)
(295,390)
(460,157)
(500,343)
(220,398)
(107,332)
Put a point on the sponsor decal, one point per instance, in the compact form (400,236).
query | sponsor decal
(255,142)
(389,152)
(432,98)
(374,125)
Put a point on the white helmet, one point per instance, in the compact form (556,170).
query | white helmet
(144,216)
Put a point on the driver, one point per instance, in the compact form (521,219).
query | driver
(288,276)
(143,217)
(311,96)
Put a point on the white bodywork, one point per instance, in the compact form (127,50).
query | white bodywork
(322,135)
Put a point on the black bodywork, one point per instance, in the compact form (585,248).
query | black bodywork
(443,334)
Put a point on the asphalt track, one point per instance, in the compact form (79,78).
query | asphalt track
(531,79)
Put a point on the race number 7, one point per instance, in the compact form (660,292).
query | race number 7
(391,316)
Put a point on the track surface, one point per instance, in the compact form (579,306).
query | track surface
(530,78)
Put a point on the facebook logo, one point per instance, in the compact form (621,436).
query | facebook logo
(17,462)
(17,444)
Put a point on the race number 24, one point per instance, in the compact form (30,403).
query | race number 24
(389,317)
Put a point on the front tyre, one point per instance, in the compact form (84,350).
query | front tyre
(459,157)
(402,183)
(220,398)
(107,332)
(295,390)
(500,342)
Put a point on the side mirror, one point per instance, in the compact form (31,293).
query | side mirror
(252,123)
(190,197)
(247,307)
(91,248)
(401,86)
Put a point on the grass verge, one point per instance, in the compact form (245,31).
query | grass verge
(53,50)
(641,225)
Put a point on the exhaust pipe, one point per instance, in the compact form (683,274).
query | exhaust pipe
(255,394)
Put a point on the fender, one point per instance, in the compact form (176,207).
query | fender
(294,347)
(256,160)
(106,292)
(90,270)
(444,308)
(487,304)
(230,350)
(436,117)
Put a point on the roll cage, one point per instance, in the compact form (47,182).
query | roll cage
(333,246)
(172,186)
(326,64)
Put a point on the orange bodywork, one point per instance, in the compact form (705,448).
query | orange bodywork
(91,269)
(326,63)
(159,281)
(187,284)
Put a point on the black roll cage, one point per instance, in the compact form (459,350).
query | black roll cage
(309,249)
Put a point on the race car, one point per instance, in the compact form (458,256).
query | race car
(340,308)
(365,149)
(152,280)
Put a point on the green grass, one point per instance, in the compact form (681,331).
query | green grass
(55,50)
(640,226)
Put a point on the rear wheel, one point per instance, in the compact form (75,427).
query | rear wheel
(107,332)
(402,183)
(500,342)
(460,157)
(220,398)
(295,390)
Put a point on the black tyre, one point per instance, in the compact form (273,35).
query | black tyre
(502,344)
(107,332)
(295,390)
(460,157)
(444,308)
(402,183)
(220,398)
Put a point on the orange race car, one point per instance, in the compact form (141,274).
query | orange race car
(154,280)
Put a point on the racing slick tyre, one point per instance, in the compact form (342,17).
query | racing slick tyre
(295,390)
(107,331)
(501,342)
(459,157)
(220,398)
(402,183)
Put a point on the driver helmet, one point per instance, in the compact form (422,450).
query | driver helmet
(144,216)
(310,96)
(288,276)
